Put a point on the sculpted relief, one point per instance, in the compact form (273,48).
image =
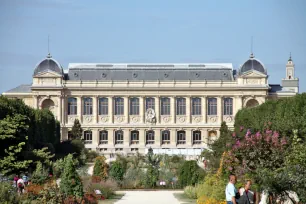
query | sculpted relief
(150,116)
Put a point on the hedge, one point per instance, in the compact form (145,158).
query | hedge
(283,115)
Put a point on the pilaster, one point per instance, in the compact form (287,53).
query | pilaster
(157,137)
(237,104)
(111,138)
(126,109)
(204,108)
(173,137)
(219,109)
(157,110)
(110,109)
(59,109)
(188,106)
(79,108)
(188,137)
(142,137)
(141,109)
(172,108)
(95,137)
(126,137)
(95,109)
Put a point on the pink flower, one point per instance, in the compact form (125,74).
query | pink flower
(283,141)
(258,136)
(268,132)
(248,132)
(267,138)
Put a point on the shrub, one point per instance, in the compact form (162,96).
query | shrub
(107,188)
(8,194)
(190,192)
(40,175)
(100,169)
(71,184)
(190,173)
(91,155)
(58,168)
(213,187)
(133,178)
(117,171)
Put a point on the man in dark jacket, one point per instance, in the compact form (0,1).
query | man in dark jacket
(246,195)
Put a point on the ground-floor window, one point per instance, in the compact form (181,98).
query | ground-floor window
(135,137)
(70,136)
(103,137)
(166,137)
(181,137)
(88,137)
(119,137)
(196,136)
(150,137)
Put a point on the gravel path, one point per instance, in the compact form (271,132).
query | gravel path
(148,197)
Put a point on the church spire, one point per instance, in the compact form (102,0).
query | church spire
(290,59)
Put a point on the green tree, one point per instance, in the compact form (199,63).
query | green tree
(117,171)
(71,184)
(190,173)
(77,130)
(152,163)
(40,175)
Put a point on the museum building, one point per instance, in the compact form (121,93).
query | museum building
(173,108)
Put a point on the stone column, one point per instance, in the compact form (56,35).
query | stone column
(110,109)
(173,137)
(141,109)
(59,109)
(142,137)
(126,137)
(111,135)
(79,108)
(237,104)
(188,137)
(64,108)
(188,106)
(126,109)
(219,109)
(157,137)
(157,110)
(95,138)
(95,109)
(204,108)
(173,108)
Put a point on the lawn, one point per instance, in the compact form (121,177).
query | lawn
(183,198)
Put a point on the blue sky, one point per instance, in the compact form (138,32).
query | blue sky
(150,31)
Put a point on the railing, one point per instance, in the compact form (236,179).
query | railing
(181,142)
(103,141)
(119,142)
(150,142)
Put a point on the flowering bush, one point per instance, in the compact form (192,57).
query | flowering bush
(209,200)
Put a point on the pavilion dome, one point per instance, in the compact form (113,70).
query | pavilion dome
(253,64)
(48,64)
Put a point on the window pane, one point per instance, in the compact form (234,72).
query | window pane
(134,106)
(88,137)
(72,106)
(181,137)
(103,106)
(150,103)
(166,137)
(165,106)
(119,137)
(103,137)
(228,106)
(150,137)
(134,137)
(87,106)
(196,106)
(212,106)
(197,137)
(119,106)
(180,106)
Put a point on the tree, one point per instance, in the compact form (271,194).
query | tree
(71,184)
(40,175)
(77,130)
(100,169)
(152,162)
(190,173)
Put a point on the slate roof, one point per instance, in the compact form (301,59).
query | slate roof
(24,88)
(48,64)
(253,64)
(139,72)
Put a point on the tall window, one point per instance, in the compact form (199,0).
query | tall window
(212,106)
(134,137)
(181,137)
(228,106)
(196,106)
(103,106)
(165,106)
(88,137)
(103,137)
(134,106)
(150,137)
(119,137)
(72,106)
(70,136)
(119,106)
(87,106)
(196,136)
(150,103)
(180,106)
(166,137)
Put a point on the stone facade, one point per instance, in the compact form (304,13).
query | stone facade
(125,116)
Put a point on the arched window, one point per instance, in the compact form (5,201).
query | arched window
(103,137)
(48,104)
(103,106)
(228,106)
(181,137)
(70,136)
(88,137)
(72,106)
(134,137)
(150,137)
(119,106)
(166,137)
(196,106)
(196,136)
(165,106)
(119,137)
(134,106)
(180,106)
(212,106)
(252,103)
(150,103)
(87,106)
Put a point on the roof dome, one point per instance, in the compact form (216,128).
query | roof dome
(48,64)
(253,64)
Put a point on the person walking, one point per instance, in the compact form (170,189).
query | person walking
(25,179)
(20,186)
(246,195)
(15,180)
(231,193)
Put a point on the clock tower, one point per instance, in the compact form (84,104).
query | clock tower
(290,83)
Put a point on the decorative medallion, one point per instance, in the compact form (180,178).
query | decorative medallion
(119,118)
(135,119)
(197,119)
(228,119)
(182,119)
(166,119)
(104,119)
(88,118)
